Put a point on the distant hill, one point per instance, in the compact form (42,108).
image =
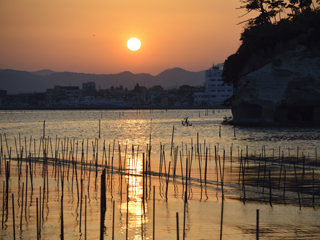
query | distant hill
(14,81)
(43,72)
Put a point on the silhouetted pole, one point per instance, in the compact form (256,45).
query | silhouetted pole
(257,233)
(14,226)
(177,216)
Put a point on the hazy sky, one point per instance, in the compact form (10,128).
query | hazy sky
(90,36)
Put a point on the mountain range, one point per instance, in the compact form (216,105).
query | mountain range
(15,82)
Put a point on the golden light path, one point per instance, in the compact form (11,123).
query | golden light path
(135,205)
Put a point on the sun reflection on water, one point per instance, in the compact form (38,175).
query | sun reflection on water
(136,209)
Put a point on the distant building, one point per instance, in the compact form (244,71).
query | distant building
(89,87)
(63,93)
(3,95)
(216,91)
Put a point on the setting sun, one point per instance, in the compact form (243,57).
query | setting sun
(134,44)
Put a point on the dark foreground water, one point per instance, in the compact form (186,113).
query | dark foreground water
(281,159)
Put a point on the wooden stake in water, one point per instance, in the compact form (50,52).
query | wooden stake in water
(127,214)
(40,213)
(37,219)
(172,141)
(44,128)
(257,230)
(177,217)
(62,234)
(99,128)
(141,218)
(184,217)
(186,198)
(221,222)
(167,182)
(298,191)
(3,203)
(80,203)
(113,219)
(154,211)
(85,218)
(14,226)
(21,207)
(270,189)
(205,168)
(25,209)
(102,202)
(313,188)
(284,186)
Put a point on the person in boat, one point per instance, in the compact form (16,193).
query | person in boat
(186,122)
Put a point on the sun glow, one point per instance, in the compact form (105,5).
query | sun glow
(134,44)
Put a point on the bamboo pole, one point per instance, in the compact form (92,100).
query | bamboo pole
(284,186)
(177,217)
(22,203)
(298,191)
(81,202)
(205,168)
(270,189)
(257,227)
(167,182)
(172,141)
(99,128)
(313,188)
(62,231)
(40,213)
(154,211)
(102,203)
(113,210)
(127,213)
(13,218)
(221,222)
(25,209)
(3,203)
(37,219)
(184,217)
(44,128)
(85,218)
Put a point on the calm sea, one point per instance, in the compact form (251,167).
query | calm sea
(126,135)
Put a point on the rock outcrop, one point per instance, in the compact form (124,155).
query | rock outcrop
(286,90)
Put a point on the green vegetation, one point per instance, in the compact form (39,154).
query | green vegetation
(269,34)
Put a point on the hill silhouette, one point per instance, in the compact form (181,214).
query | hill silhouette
(14,81)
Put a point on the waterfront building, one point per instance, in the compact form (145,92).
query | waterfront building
(71,94)
(216,91)
(89,87)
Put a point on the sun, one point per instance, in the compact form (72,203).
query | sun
(134,44)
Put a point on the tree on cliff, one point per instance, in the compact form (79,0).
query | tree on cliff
(267,9)
(262,38)
(296,6)
(256,5)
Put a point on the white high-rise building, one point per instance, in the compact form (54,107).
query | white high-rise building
(216,91)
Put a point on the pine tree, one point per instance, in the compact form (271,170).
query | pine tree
(297,6)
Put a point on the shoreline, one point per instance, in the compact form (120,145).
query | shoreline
(99,107)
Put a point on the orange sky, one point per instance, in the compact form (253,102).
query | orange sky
(90,36)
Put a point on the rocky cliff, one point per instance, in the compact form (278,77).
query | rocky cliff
(286,90)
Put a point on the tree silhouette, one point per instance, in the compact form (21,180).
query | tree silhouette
(297,6)
(261,7)
(265,36)
(269,9)
(276,7)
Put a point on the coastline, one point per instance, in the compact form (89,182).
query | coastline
(99,107)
